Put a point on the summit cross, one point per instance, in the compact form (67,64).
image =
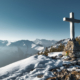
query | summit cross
(72,21)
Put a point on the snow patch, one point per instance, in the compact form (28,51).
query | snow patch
(39,48)
(8,43)
(33,45)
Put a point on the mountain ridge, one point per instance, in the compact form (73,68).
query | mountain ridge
(14,51)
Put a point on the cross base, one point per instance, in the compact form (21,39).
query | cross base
(73,48)
(73,40)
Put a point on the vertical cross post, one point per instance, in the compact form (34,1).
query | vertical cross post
(72,35)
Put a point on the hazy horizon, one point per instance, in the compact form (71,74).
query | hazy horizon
(27,39)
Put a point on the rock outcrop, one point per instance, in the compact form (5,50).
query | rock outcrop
(72,48)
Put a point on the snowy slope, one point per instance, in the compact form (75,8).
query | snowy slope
(30,68)
(64,41)
(37,65)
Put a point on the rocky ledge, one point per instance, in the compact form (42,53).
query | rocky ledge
(69,71)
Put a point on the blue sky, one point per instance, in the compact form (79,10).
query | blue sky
(32,19)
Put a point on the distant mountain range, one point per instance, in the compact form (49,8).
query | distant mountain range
(42,42)
(14,51)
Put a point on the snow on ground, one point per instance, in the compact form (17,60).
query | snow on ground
(33,45)
(66,40)
(39,48)
(61,41)
(30,68)
(22,69)
(54,54)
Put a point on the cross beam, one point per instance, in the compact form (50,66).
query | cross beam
(72,21)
